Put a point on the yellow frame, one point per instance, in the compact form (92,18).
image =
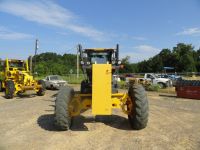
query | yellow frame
(102,100)
(81,102)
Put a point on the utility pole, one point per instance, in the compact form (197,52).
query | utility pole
(30,64)
(36,48)
(77,63)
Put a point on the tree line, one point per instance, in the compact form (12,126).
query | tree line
(183,57)
(53,63)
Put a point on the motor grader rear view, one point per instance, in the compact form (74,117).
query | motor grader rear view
(16,79)
(99,92)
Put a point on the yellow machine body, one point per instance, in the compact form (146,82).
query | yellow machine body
(101,95)
(99,91)
(102,100)
(21,76)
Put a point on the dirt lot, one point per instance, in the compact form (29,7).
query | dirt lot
(27,123)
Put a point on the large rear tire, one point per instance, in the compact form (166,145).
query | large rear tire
(62,113)
(138,117)
(10,89)
(42,90)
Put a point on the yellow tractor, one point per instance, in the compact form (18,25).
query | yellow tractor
(99,91)
(16,79)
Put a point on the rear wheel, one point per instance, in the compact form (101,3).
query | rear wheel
(138,116)
(10,89)
(62,113)
(42,90)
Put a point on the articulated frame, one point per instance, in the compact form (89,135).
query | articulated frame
(83,102)
(21,88)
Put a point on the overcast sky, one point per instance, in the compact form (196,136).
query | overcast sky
(141,27)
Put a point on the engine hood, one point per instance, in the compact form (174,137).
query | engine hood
(162,79)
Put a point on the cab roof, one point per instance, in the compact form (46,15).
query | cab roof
(99,49)
(16,60)
(13,60)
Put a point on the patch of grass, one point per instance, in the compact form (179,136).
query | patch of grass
(170,90)
(122,85)
(39,77)
(70,78)
(192,78)
(153,87)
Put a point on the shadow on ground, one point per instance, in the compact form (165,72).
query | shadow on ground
(168,95)
(46,122)
(22,96)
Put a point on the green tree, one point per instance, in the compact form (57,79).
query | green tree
(128,67)
(184,56)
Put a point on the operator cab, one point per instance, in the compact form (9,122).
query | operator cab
(99,56)
(91,56)
(18,64)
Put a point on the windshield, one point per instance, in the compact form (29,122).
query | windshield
(99,58)
(152,76)
(55,78)
(155,76)
(17,64)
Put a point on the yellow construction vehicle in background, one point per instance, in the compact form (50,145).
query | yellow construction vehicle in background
(16,79)
(99,92)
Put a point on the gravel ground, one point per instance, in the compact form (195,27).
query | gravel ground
(27,123)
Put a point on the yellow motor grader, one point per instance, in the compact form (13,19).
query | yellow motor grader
(99,92)
(16,79)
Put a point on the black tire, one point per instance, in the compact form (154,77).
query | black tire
(62,114)
(10,89)
(85,87)
(51,87)
(42,90)
(1,88)
(140,109)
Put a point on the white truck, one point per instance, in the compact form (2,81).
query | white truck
(154,79)
(162,82)
(54,82)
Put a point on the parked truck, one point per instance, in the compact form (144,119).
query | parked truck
(162,82)
(153,79)
(54,82)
